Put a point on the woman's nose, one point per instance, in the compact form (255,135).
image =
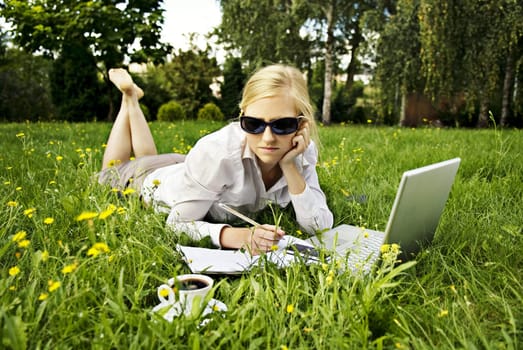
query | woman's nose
(267,134)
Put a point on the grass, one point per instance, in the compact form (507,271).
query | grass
(92,283)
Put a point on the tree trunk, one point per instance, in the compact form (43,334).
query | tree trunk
(329,48)
(483,112)
(508,85)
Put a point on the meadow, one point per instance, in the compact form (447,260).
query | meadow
(80,263)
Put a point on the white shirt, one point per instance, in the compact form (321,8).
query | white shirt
(220,168)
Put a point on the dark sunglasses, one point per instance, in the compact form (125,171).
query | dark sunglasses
(281,126)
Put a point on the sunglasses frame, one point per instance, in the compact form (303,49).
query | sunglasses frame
(274,129)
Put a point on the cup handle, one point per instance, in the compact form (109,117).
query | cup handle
(166,291)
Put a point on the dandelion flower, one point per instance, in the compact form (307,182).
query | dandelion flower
(284,347)
(69,268)
(19,236)
(43,296)
(20,134)
(156,182)
(290,309)
(45,255)
(443,313)
(274,247)
(107,212)
(97,249)
(53,285)
(128,191)
(24,243)
(48,221)
(13,271)
(29,212)
(12,204)
(59,158)
(86,215)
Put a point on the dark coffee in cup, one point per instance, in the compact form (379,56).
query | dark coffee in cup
(192,284)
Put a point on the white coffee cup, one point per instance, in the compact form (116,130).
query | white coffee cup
(188,291)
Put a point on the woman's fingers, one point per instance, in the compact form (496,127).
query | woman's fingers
(264,237)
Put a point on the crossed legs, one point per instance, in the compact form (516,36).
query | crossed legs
(130,134)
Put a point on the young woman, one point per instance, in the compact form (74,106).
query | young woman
(267,156)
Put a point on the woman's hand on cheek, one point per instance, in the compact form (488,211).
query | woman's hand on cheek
(300,142)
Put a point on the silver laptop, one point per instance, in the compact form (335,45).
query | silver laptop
(415,215)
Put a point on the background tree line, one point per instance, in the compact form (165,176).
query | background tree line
(463,57)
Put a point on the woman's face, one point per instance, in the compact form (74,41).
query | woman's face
(269,147)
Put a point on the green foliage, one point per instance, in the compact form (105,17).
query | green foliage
(210,112)
(105,32)
(231,89)
(171,111)
(75,87)
(189,76)
(463,292)
(24,82)
(265,32)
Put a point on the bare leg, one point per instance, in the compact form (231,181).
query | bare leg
(130,133)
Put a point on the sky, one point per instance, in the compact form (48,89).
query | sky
(183,17)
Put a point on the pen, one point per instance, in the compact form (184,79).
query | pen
(238,214)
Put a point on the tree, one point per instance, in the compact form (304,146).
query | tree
(109,30)
(466,46)
(265,31)
(231,88)
(189,76)
(397,55)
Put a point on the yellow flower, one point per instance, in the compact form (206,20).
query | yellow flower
(284,347)
(13,271)
(86,215)
(290,308)
(156,182)
(12,204)
(29,212)
(164,292)
(274,247)
(330,277)
(107,212)
(59,158)
(453,289)
(19,236)
(20,134)
(45,255)
(24,243)
(19,188)
(384,248)
(52,182)
(97,249)
(53,285)
(128,191)
(69,268)
(43,296)
(12,288)
(443,313)
(48,221)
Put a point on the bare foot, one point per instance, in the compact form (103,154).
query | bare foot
(123,81)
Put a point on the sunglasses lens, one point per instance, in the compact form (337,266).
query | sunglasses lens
(252,125)
(285,126)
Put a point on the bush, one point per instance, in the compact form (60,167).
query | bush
(210,112)
(171,111)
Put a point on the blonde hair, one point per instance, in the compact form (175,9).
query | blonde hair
(281,79)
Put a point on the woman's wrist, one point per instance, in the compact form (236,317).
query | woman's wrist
(234,237)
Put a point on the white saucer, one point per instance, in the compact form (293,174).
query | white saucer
(170,311)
